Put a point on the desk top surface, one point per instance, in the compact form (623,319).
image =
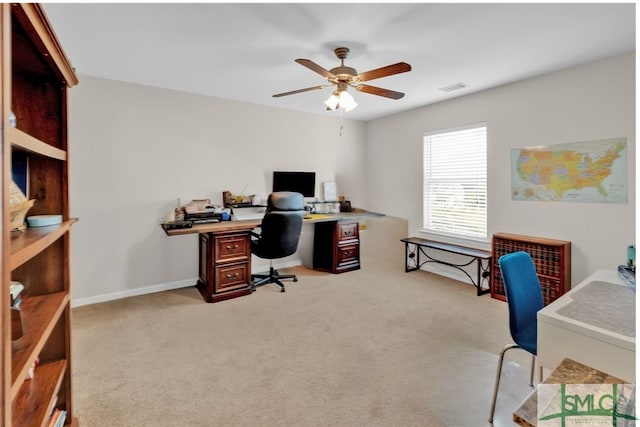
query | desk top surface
(244,225)
(601,306)
(216,227)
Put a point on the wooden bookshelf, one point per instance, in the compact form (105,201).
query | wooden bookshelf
(552,259)
(35,395)
(36,76)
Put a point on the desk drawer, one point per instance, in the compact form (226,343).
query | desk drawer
(231,276)
(347,231)
(336,246)
(348,255)
(232,247)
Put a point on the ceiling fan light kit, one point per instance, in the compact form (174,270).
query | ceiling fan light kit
(344,76)
(341,99)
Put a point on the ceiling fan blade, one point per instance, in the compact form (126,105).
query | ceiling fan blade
(278,95)
(379,91)
(315,67)
(389,70)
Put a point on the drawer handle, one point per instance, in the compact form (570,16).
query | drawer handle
(348,232)
(232,276)
(348,253)
(229,247)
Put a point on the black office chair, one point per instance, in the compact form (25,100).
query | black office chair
(280,232)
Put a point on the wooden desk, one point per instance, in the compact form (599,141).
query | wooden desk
(224,270)
(568,372)
(594,324)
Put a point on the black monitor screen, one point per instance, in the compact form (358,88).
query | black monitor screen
(300,182)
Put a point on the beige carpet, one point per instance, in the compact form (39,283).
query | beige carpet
(373,347)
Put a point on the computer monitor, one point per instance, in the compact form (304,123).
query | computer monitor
(300,182)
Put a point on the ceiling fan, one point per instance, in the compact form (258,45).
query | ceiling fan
(344,76)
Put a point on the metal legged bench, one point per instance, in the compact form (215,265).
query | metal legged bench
(416,246)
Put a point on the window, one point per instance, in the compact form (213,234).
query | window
(455,182)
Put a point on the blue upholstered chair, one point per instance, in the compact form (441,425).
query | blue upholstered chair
(524,300)
(281,227)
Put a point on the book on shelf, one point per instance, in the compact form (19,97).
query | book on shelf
(32,369)
(16,288)
(16,324)
(57,418)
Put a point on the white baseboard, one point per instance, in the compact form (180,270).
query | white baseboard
(158,288)
(133,292)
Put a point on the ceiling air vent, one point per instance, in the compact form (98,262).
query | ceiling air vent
(453,87)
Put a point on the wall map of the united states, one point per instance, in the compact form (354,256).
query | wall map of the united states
(593,171)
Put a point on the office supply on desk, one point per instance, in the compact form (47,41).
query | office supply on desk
(628,272)
(199,206)
(524,299)
(248,212)
(199,211)
(279,236)
(324,206)
(177,225)
(205,221)
(628,275)
(345,206)
(203,216)
(330,191)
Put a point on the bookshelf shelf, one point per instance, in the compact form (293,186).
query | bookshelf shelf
(40,315)
(35,78)
(30,242)
(24,141)
(36,395)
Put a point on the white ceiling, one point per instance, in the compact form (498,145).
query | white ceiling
(246,52)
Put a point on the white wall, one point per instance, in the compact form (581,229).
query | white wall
(135,149)
(589,102)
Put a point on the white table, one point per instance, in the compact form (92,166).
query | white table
(593,324)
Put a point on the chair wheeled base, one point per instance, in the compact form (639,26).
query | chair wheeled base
(258,280)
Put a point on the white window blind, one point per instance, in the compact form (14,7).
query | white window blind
(455,182)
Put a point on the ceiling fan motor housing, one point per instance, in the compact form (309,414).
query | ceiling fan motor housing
(344,73)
